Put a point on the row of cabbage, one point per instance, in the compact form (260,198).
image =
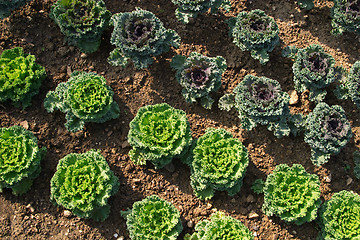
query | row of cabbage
(160,133)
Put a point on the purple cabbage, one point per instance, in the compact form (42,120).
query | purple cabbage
(138,31)
(198,75)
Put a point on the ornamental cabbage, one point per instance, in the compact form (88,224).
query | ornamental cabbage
(292,194)
(153,219)
(139,35)
(191,8)
(6,6)
(313,69)
(159,133)
(81,21)
(346,16)
(20,159)
(219,163)
(327,131)
(83,183)
(260,100)
(220,227)
(84,98)
(20,77)
(340,217)
(255,32)
(306,4)
(199,76)
(350,85)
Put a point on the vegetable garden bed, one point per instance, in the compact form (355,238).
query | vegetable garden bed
(33,216)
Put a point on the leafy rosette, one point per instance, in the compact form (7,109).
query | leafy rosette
(219,163)
(327,131)
(20,159)
(84,98)
(199,76)
(153,219)
(345,16)
(260,100)
(292,194)
(256,32)
(306,4)
(159,133)
(313,69)
(139,35)
(83,183)
(6,6)
(191,8)
(220,227)
(82,22)
(350,86)
(20,77)
(340,217)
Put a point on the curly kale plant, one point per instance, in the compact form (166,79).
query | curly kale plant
(81,21)
(84,98)
(346,16)
(158,133)
(220,227)
(255,32)
(140,36)
(199,75)
(153,219)
(20,77)
(306,4)
(83,183)
(340,217)
(260,100)
(19,159)
(327,131)
(292,194)
(219,163)
(350,86)
(6,6)
(313,69)
(191,8)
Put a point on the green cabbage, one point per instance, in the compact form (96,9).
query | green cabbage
(292,194)
(340,217)
(81,21)
(153,219)
(19,159)
(83,183)
(20,77)
(139,35)
(219,163)
(158,133)
(220,227)
(84,98)
(199,76)
(256,32)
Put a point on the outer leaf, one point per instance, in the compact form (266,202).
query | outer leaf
(340,217)
(346,16)
(188,9)
(307,4)
(356,157)
(82,22)
(20,77)
(84,98)
(83,183)
(199,76)
(153,219)
(19,159)
(255,32)
(292,194)
(139,35)
(158,133)
(220,227)
(6,6)
(327,131)
(219,163)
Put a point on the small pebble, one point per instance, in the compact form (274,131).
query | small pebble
(83,55)
(67,213)
(125,144)
(253,215)
(25,124)
(349,181)
(190,224)
(250,199)
(294,98)
(116,235)
(328,178)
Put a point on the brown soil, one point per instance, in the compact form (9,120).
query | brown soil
(32,216)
